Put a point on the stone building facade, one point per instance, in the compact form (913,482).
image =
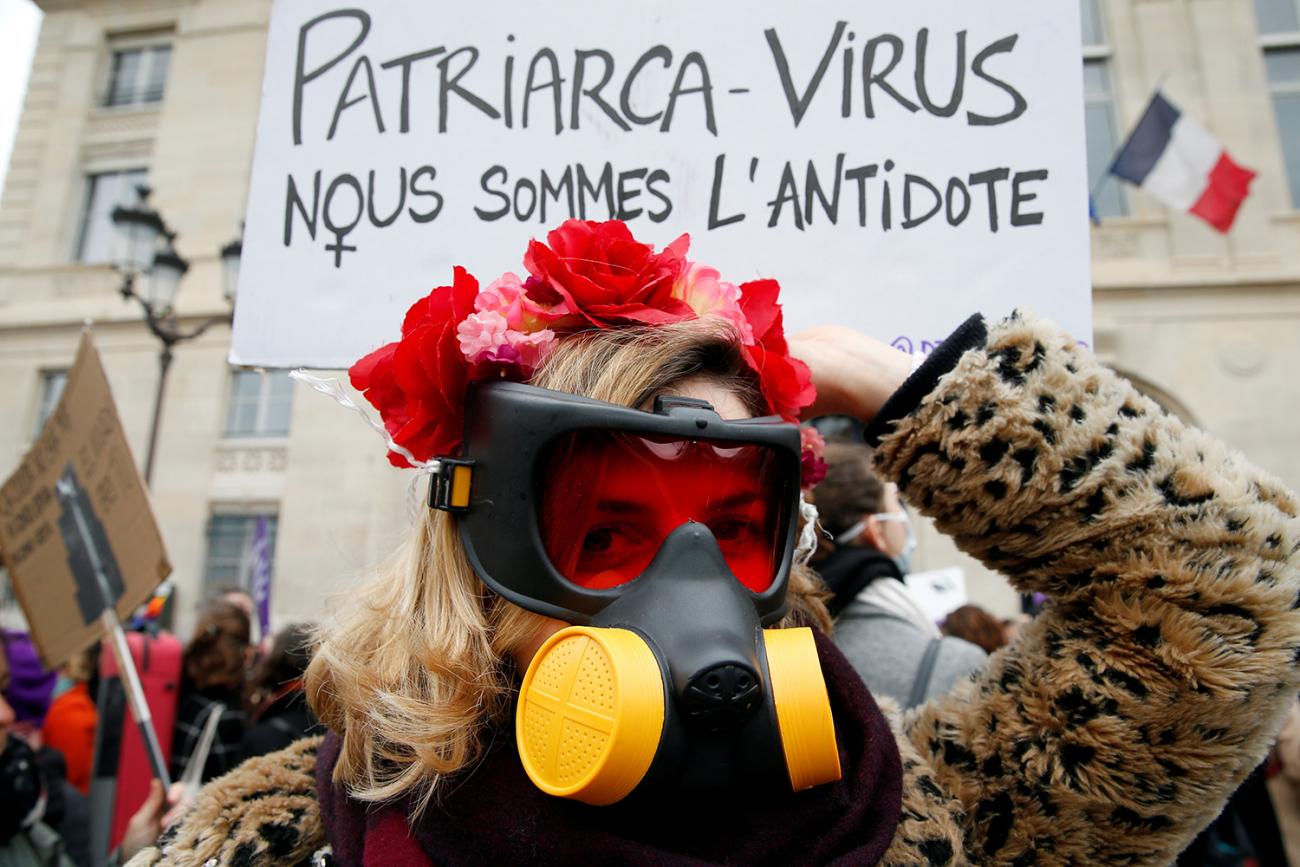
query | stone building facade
(166,91)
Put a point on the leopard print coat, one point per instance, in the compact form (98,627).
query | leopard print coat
(1121,720)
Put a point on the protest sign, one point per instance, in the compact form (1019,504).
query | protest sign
(938,592)
(897,166)
(74,507)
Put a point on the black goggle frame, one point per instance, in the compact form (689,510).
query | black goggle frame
(493,488)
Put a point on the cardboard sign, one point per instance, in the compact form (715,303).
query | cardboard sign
(896,166)
(80,469)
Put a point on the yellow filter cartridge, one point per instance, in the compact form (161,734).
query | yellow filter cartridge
(590,714)
(803,708)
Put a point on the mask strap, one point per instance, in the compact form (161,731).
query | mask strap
(807,544)
(851,533)
(331,389)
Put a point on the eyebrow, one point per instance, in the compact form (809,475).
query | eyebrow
(622,507)
(632,507)
(744,498)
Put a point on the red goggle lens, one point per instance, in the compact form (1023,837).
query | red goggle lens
(610,499)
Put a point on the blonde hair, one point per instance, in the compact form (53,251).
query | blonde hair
(418,667)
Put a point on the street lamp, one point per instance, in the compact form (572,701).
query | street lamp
(230,256)
(138,229)
(144,254)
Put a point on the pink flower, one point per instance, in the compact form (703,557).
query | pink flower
(487,340)
(528,351)
(812,464)
(704,290)
(506,295)
(481,334)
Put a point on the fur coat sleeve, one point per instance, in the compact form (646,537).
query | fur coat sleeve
(263,812)
(1119,723)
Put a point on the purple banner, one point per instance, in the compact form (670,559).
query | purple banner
(259,578)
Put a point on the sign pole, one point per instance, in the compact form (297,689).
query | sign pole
(117,637)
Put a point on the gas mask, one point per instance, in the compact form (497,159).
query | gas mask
(666,539)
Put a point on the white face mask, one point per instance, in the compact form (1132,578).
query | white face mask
(904,559)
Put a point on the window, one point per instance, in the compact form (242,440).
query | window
(1277,16)
(52,383)
(1099,114)
(260,403)
(1283,67)
(104,192)
(137,75)
(231,550)
(1279,27)
(1093,33)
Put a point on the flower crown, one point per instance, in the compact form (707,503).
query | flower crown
(587,275)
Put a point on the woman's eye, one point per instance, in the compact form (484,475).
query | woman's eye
(612,538)
(598,541)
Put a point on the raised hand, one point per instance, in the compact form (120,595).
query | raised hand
(854,374)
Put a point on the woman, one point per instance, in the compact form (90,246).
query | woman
(282,715)
(214,671)
(1111,733)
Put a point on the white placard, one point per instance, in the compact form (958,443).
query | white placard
(939,592)
(897,166)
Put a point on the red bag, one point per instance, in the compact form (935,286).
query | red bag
(158,661)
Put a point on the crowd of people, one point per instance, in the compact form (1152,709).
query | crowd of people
(48,719)
(255,692)
(48,722)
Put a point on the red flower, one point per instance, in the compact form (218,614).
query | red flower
(786,381)
(601,272)
(418,383)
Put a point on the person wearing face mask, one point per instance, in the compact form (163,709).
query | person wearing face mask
(891,642)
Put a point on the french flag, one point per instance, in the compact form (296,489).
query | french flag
(1179,162)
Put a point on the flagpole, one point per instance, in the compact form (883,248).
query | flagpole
(1096,189)
(1199,60)
(1160,83)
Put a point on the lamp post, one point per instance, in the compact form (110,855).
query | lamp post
(145,255)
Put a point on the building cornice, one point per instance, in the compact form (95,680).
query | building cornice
(50,6)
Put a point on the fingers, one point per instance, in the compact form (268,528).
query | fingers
(153,802)
(144,825)
(181,797)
